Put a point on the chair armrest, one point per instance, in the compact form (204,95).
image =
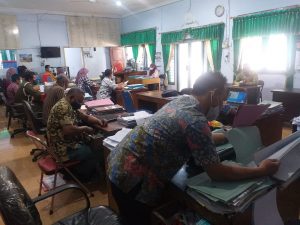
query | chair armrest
(61,189)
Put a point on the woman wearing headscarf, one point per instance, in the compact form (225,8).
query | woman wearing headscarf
(11,71)
(83,82)
(153,71)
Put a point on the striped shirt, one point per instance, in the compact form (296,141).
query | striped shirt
(54,94)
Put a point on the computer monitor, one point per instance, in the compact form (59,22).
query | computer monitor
(238,97)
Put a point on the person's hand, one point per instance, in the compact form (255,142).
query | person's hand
(87,129)
(101,123)
(269,166)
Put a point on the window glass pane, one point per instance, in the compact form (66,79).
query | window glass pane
(128,53)
(252,53)
(196,61)
(183,64)
(140,58)
(172,70)
(276,53)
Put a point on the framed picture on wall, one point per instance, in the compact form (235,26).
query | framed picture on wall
(25,57)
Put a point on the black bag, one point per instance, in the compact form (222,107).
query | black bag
(169,93)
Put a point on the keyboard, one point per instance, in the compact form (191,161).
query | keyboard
(113,117)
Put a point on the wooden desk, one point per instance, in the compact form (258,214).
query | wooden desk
(290,99)
(123,76)
(151,100)
(145,81)
(252,92)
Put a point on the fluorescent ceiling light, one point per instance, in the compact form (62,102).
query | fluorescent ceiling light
(118,3)
(92,0)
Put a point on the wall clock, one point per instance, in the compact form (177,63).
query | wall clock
(219,10)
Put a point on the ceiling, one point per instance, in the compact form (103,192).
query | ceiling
(104,8)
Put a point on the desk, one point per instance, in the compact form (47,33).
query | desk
(145,81)
(133,93)
(123,76)
(151,100)
(290,99)
(252,92)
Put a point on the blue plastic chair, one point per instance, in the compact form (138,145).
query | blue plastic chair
(128,102)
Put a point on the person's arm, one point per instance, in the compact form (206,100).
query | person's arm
(219,138)
(220,171)
(29,89)
(70,130)
(92,121)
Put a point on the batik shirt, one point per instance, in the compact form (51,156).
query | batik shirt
(84,82)
(106,88)
(61,114)
(151,154)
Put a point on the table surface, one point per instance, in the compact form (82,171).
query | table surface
(288,90)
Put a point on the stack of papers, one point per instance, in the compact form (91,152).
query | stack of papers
(112,141)
(137,119)
(296,121)
(134,86)
(226,197)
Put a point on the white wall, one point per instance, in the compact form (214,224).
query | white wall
(171,17)
(97,63)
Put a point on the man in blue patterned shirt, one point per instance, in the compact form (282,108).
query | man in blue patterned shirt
(151,154)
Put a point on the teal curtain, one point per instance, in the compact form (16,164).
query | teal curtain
(139,37)
(214,33)
(152,50)
(166,55)
(135,52)
(291,61)
(4,55)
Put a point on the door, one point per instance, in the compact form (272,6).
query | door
(74,60)
(117,57)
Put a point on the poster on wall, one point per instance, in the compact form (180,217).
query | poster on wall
(25,57)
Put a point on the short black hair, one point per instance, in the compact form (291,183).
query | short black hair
(21,70)
(28,75)
(47,66)
(209,81)
(75,90)
(15,77)
(107,73)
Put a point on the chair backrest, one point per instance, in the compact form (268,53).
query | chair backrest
(128,102)
(31,117)
(36,140)
(246,141)
(16,206)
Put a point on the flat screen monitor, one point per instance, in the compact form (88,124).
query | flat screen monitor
(50,52)
(237,97)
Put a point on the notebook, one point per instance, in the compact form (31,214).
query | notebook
(248,114)
(237,97)
(98,103)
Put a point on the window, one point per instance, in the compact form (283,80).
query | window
(144,59)
(128,53)
(8,59)
(265,53)
(191,60)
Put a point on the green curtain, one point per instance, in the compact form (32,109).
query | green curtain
(4,55)
(152,50)
(236,54)
(135,52)
(278,21)
(166,55)
(291,61)
(139,37)
(172,37)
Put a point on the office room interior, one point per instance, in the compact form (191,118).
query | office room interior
(121,40)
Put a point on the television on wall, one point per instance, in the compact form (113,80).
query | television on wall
(50,52)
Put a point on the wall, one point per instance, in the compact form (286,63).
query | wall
(171,17)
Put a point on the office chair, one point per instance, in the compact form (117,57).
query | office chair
(14,111)
(261,84)
(128,102)
(35,122)
(18,208)
(245,141)
(50,164)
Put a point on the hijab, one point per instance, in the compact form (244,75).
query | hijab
(81,73)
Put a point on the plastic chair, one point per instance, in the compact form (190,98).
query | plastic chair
(128,102)
(18,208)
(246,141)
(52,165)
(42,150)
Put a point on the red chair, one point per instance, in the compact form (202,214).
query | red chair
(52,165)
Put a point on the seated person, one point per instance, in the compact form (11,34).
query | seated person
(246,76)
(64,132)
(83,82)
(27,91)
(48,76)
(153,71)
(11,71)
(21,70)
(151,154)
(12,89)
(108,86)
(54,94)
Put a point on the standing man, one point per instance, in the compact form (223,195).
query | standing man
(54,94)
(48,76)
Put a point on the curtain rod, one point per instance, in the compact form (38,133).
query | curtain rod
(140,30)
(269,10)
(208,25)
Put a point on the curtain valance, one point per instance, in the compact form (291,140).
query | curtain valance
(139,37)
